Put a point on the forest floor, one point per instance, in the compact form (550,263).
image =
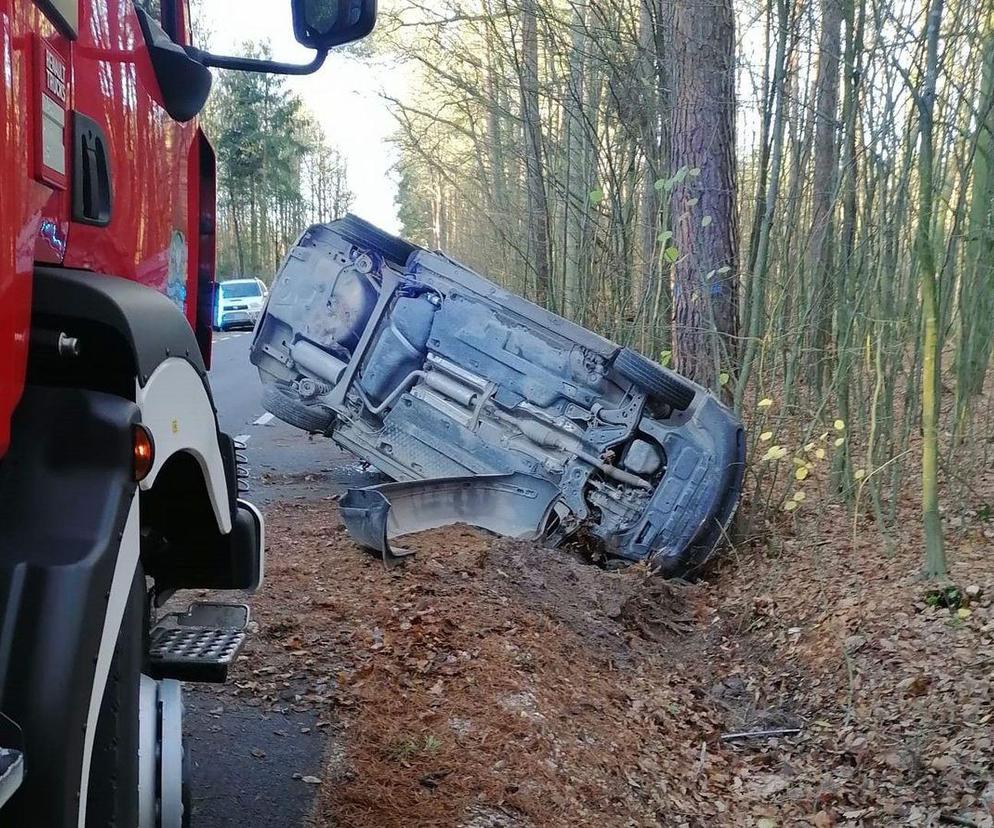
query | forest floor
(492,683)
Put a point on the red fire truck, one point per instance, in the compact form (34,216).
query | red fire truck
(117,488)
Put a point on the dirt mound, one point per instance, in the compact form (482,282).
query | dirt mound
(511,685)
(603,607)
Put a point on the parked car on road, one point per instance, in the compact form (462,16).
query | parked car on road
(239,303)
(429,371)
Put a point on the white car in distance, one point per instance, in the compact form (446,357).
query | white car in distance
(239,303)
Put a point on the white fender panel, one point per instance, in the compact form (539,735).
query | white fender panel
(178,412)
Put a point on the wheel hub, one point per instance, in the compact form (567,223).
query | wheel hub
(162,795)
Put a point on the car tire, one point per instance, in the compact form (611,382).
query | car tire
(655,380)
(112,797)
(311,418)
(365,235)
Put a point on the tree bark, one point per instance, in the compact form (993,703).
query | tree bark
(538,208)
(935,557)
(653,292)
(578,183)
(703,204)
(980,239)
(763,226)
(819,254)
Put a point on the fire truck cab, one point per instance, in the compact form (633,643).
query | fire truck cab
(117,487)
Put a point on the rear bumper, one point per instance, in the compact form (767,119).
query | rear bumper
(514,505)
(692,507)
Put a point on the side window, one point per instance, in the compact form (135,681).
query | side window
(172,15)
(153,7)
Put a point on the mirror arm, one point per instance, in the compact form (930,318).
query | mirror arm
(240,64)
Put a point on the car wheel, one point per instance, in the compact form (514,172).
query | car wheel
(655,380)
(313,418)
(365,235)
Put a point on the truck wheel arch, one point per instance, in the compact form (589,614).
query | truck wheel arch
(137,344)
(181,418)
(154,359)
(150,325)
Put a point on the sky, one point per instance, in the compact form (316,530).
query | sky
(344,96)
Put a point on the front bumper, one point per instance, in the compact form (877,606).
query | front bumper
(239,317)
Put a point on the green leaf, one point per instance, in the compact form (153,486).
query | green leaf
(671,254)
(665,236)
(596,196)
(692,202)
(694,171)
(723,378)
(665,358)
(705,221)
(660,184)
(725,269)
(675,179)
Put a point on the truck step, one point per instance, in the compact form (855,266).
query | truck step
(199,644)
(11,772)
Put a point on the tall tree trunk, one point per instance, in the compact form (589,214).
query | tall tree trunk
(654,44)
(819,255)
(935,557)
(495,138)
(440,219)
(770,193)
(645,102)
(538,208)
(703,205)
(848,268)
(978,323)
(578,181)
(239,251)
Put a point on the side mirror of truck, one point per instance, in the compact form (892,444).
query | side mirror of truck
(185,83)
(317,24)
(323,24)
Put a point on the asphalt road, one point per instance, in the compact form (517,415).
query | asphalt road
(243,755)
(284,462)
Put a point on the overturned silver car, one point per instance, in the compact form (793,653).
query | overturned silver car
(427,370)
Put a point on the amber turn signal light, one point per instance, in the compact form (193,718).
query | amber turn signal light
(143,452)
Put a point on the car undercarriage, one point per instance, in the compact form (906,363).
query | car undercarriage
(431,372)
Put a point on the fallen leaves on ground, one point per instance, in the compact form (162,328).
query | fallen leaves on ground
(494,683)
